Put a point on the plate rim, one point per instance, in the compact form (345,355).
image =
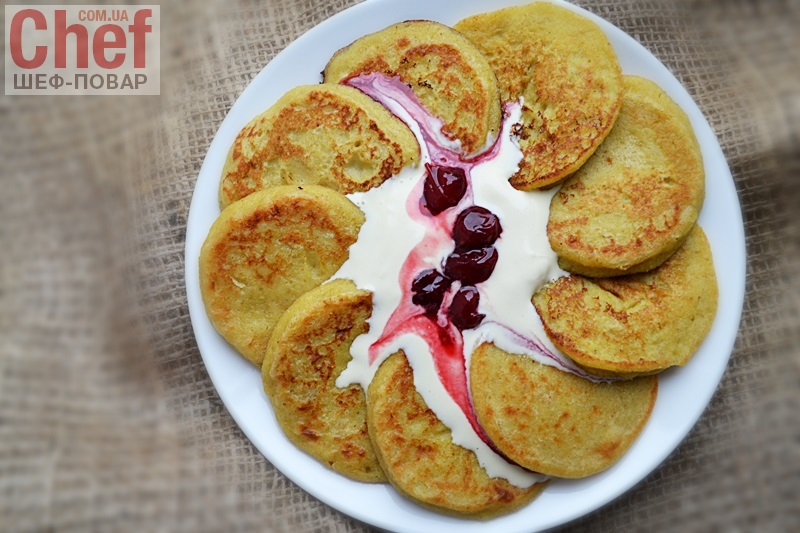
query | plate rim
(197,228)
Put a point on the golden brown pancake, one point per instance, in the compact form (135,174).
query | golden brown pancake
(635,324)
(633,203)
(553,422)
(265,251)
(418,455)
(567,72)
(327,134)
(308,349)
(445,71)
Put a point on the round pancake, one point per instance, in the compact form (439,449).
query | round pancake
(308,349)
(445,71)
(265,251)
(566,70)
(635,324)
(554,422)
(633,203)
(418,455)
(327,134)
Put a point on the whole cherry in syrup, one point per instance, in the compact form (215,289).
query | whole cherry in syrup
(471,266)
(476,227)
(443,188)
(475,231)
(463,311)
(428,290)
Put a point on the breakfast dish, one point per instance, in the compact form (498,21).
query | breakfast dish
(330,135)
(455,420)
(636,324)
(420,459)
(634,201)
(554,422)
(308,349)
(265,251)
(448,74)
(308,340)
(564,67)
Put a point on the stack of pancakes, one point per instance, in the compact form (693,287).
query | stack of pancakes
(641,297)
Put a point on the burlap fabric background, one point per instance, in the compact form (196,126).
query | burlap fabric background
(108,420)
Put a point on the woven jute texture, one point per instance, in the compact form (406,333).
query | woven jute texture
(108,419)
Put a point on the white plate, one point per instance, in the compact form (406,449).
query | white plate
(683,393)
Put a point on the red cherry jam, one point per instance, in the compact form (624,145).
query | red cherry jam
(476,227)
(428,290)
(463,311)
(471,266)
(444,187)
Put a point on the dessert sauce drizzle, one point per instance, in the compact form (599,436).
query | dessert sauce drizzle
(411,237)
